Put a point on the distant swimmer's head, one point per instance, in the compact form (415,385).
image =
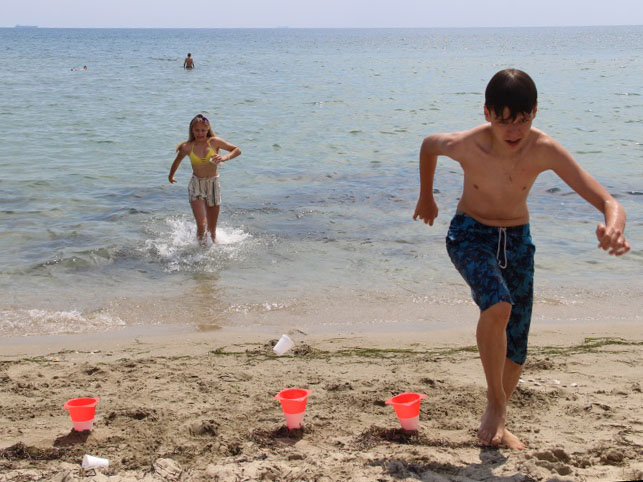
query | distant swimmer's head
(189,54)
(200,128)
(509,94)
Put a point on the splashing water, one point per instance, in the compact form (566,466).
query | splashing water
(179,250)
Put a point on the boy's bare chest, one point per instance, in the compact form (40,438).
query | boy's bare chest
(514,175)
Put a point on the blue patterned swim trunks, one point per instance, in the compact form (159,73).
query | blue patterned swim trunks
(498,265)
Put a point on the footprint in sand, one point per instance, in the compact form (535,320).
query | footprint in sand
(235,377)
(202,428)
(555,460)
(612,457)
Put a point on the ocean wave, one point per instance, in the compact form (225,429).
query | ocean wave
(323,102)
(29,322)
(120,213)
(82,259)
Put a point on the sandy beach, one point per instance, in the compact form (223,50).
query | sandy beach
(106,291)
(199,406)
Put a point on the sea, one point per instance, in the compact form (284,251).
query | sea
(316,231)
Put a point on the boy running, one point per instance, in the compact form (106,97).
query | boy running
(489,240)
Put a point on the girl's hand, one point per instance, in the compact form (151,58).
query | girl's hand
(217,159)
(171,179)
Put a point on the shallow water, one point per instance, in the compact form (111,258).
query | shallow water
(316,216)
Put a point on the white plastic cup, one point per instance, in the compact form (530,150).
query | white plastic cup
(293,420)
(82,426)
(284,344)
(92,462)
(410,423)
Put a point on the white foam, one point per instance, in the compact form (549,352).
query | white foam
(227,236)
(179,249)
(44,322)
(257,308)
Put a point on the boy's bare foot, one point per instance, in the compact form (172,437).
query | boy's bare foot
(510,441)
(492,424)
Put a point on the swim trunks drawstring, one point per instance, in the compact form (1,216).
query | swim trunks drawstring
(502,231)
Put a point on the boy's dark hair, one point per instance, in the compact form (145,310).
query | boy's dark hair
(511,88)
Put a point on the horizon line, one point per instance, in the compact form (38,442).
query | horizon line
(286,27)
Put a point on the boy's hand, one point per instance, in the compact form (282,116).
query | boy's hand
(612,240)
(426,210)
(171,179)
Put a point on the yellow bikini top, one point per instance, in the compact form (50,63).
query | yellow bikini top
(194,159)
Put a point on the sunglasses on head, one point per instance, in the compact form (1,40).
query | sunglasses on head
(200,118)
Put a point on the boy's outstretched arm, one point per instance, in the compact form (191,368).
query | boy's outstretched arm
(432,146)
(611,235)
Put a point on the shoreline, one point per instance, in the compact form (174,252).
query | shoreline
(169,338)
(203,400)
(358,312)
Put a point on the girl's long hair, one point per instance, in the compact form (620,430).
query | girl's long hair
(197,118)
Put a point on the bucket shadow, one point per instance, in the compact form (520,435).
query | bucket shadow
(280,436)
(374,436)
(72,438)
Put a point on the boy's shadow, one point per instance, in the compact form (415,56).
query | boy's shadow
(491,456)
(425,469)
(280,436)
(72,438)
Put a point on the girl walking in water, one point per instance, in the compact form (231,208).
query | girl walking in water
(203,148)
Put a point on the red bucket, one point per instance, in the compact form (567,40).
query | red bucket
(407,409)
(82,411)
(293,403)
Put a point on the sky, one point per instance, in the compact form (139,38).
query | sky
(319,13)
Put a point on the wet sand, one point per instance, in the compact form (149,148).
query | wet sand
(199,406)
